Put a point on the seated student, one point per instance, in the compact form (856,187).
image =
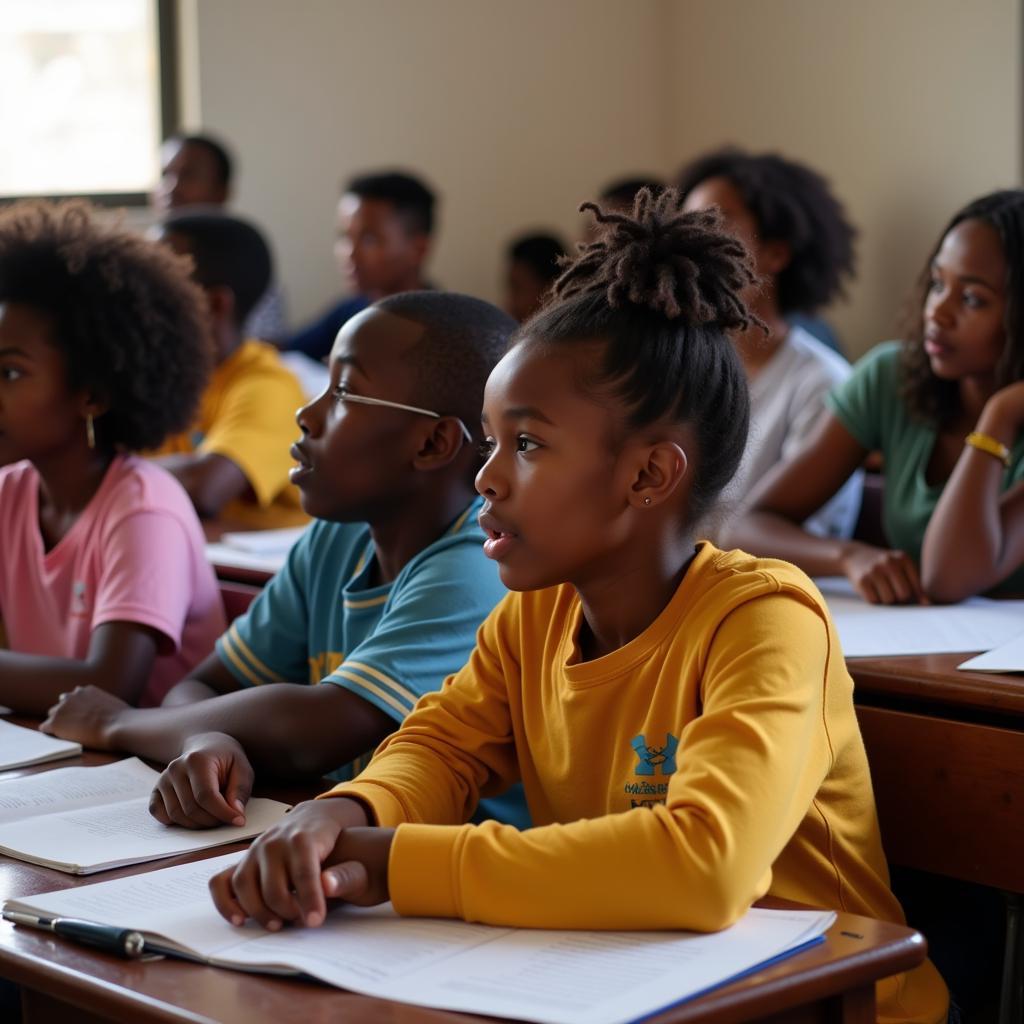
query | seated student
(385,226)
(196,170)
(686,741)
(946,410)
(103,351)
(802,245)
(530,270)
(379,600)
(234,460)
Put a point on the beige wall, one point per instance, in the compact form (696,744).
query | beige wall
(518,110)
(910,107)
(515,111)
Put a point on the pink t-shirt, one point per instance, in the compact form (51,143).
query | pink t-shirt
(135,554)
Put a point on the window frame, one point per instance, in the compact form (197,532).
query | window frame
(170,111)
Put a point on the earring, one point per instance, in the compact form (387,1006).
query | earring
(90,431)
(647,499)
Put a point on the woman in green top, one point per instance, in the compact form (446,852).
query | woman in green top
(946,410)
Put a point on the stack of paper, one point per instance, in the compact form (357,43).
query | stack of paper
(553,977)
(1007,658)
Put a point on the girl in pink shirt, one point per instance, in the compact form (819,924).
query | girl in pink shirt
(103,352)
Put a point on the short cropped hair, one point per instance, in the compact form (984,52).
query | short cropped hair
(127,319)
(228,252)
(412,200)
(223,162)
(792,204)
(540,252)
(463,339)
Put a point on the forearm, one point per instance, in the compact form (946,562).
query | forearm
(32,683)
(964,550)
(188,691)
(769,534)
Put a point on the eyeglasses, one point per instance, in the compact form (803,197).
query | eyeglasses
(347,396)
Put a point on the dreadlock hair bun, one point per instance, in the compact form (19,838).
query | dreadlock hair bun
(662,288)
(682,265)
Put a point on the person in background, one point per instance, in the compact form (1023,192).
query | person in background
(197,170)
(234,460)
(802,244)
(946,409)
(530,269)
(385,228)
(103,352)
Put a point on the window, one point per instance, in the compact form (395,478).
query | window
(86,91)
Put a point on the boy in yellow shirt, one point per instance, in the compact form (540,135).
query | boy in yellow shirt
(234,462)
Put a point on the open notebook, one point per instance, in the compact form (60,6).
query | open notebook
(82,820)
(553,977)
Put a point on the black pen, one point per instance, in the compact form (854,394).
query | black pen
(121,941)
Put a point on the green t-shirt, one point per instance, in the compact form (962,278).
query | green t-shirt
(869,405)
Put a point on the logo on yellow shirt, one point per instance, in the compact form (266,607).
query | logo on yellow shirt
(655,760)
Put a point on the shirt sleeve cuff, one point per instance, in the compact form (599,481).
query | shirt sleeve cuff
(387,810)
(422,870)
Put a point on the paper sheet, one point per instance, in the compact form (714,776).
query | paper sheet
(874,630)
(264,542)
(221,554)
(20,747)
(552,977)
(1008,657)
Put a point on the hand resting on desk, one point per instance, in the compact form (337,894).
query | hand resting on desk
(85,715)
(207,786)
(321,851)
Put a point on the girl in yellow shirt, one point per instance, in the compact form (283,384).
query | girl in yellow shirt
(681,718)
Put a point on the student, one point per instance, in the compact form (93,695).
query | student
(530,270)
(103,351)
(197,170)
(946,410)
(379,600)
(802,245)
(686,742)
(234,461)
(385,227)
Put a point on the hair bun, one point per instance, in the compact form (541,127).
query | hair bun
(679,265)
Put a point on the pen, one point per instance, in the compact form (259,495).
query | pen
(120,941)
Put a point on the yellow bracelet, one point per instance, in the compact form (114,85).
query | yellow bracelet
(987,443)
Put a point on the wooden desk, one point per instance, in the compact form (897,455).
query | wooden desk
(947,761)
(833,982)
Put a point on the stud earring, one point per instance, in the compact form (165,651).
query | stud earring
(90,431)
(647,499)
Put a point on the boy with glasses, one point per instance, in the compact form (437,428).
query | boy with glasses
(379,601)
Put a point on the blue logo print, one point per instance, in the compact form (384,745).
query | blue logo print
(655,760)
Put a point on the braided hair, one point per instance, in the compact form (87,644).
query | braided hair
(662,288)
(937,401)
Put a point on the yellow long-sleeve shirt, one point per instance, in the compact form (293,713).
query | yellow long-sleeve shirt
(713,759)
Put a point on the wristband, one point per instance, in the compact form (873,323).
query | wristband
(988,444)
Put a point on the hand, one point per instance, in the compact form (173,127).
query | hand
(208,785)
(1004,412)
(322,850)
(87,715)
(883,576)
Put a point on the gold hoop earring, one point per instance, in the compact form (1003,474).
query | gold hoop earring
(90,431)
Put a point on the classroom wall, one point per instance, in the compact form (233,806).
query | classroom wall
(911,108)
(508,108)
(517,111)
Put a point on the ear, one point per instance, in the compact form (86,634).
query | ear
(92,405)
(221,302)
(420,247)
(773,257)
(441,446)
(661,471)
